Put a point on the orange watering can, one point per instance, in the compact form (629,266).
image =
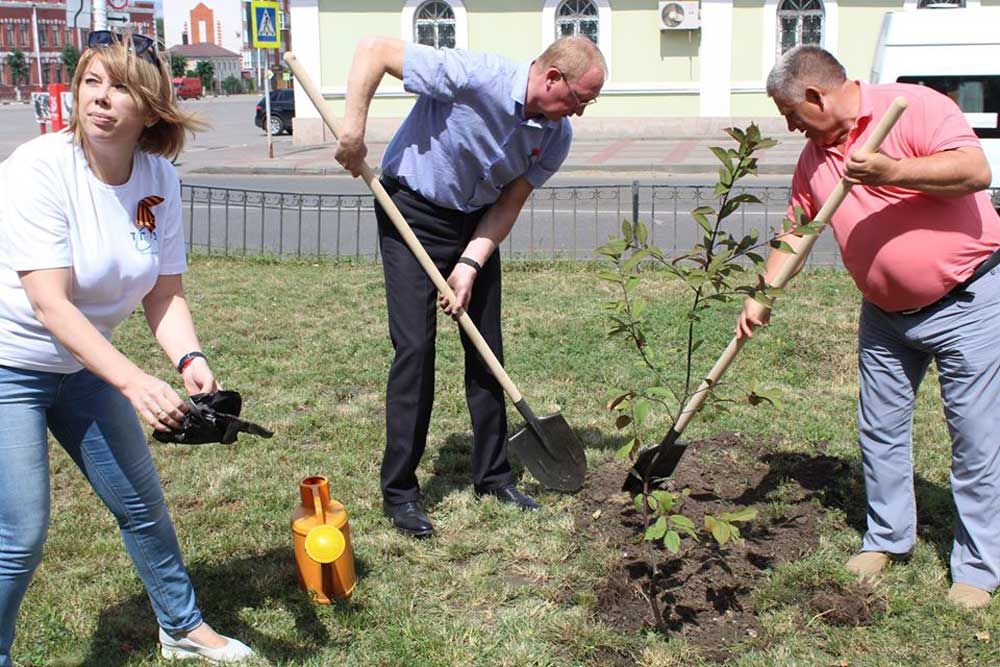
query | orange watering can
(322,540)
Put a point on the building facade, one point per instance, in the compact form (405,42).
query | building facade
(666,58)
(225,63)
(225,24)
(215,22)
(40,30)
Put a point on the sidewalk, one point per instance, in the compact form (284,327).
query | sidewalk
(591,152)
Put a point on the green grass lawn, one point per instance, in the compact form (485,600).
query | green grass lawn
(307,346)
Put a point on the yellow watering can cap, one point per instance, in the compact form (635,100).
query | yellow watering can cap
(325,544)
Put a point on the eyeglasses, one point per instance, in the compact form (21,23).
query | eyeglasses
(141,45)
(576,98)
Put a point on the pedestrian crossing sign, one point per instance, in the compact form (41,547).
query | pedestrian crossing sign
(264,15)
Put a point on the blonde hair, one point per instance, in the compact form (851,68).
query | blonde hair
(573,56)
(150,88)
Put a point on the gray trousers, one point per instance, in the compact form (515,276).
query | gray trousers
(962,335)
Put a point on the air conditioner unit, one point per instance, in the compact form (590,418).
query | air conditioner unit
(679,15)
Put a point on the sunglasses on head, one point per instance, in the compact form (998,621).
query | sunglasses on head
(141,45)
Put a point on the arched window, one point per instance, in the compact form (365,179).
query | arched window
(434,25)
(799,22)
(937,4)
(577,17)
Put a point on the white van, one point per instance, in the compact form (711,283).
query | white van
(956,51)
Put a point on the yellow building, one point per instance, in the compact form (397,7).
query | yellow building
(668,59)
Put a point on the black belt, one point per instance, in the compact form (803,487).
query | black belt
(985,267)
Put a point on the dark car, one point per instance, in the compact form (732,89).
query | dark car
(282,111)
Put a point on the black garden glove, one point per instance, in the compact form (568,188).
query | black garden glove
(212,418)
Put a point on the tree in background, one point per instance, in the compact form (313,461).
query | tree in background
(18,69)
(178,64)
(232,86)
(70,57)
(205,71)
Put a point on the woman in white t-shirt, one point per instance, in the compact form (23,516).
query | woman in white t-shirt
(90,227)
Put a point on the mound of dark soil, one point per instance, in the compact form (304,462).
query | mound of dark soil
(705,593)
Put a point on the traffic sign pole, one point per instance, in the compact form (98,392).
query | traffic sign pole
(267,110)
(264,17)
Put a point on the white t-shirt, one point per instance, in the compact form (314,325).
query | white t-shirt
(55,213)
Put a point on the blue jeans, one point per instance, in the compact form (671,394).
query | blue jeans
(98,428)
(960,334)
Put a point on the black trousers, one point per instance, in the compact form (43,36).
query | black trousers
(412,301)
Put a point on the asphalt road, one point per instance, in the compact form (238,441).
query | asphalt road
(568,219)
(231,130)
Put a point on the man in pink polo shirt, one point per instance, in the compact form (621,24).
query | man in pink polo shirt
(920,238)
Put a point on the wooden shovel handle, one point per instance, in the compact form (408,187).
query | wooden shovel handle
(412,242)
(790,268)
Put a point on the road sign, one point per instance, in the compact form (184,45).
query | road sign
(78,14)
(118,18)
(264,14)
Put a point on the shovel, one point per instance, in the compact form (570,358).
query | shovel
(659,462)
(547,447)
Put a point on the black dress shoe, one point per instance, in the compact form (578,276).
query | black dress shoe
(510,494)
(408,518)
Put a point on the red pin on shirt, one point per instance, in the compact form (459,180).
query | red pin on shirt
(144,216)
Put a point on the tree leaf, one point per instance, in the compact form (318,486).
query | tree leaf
(664,500)
(782,246)
(642,233)
(627,231)
(640,410)
(702,221)
(625,451)
(746,198)
(622,421)
(721,532)
(638,501)
(656,531)
(722,155)
(745,514)
(616,400)
(736,133)
(672,541)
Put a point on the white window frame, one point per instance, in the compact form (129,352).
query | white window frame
(409,13)
(604,30)
(769,29)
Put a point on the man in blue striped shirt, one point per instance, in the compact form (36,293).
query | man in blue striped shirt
(484,132)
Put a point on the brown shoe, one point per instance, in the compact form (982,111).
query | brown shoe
(867,563)
(968,597)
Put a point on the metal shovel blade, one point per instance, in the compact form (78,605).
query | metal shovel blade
(655,463)
(550,450)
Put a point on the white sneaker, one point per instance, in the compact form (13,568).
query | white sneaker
(186,649)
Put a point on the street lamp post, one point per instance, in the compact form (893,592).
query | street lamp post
(34,35)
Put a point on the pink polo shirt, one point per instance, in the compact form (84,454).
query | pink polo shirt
(904,248)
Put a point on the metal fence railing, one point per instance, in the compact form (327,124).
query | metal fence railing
(559,222)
